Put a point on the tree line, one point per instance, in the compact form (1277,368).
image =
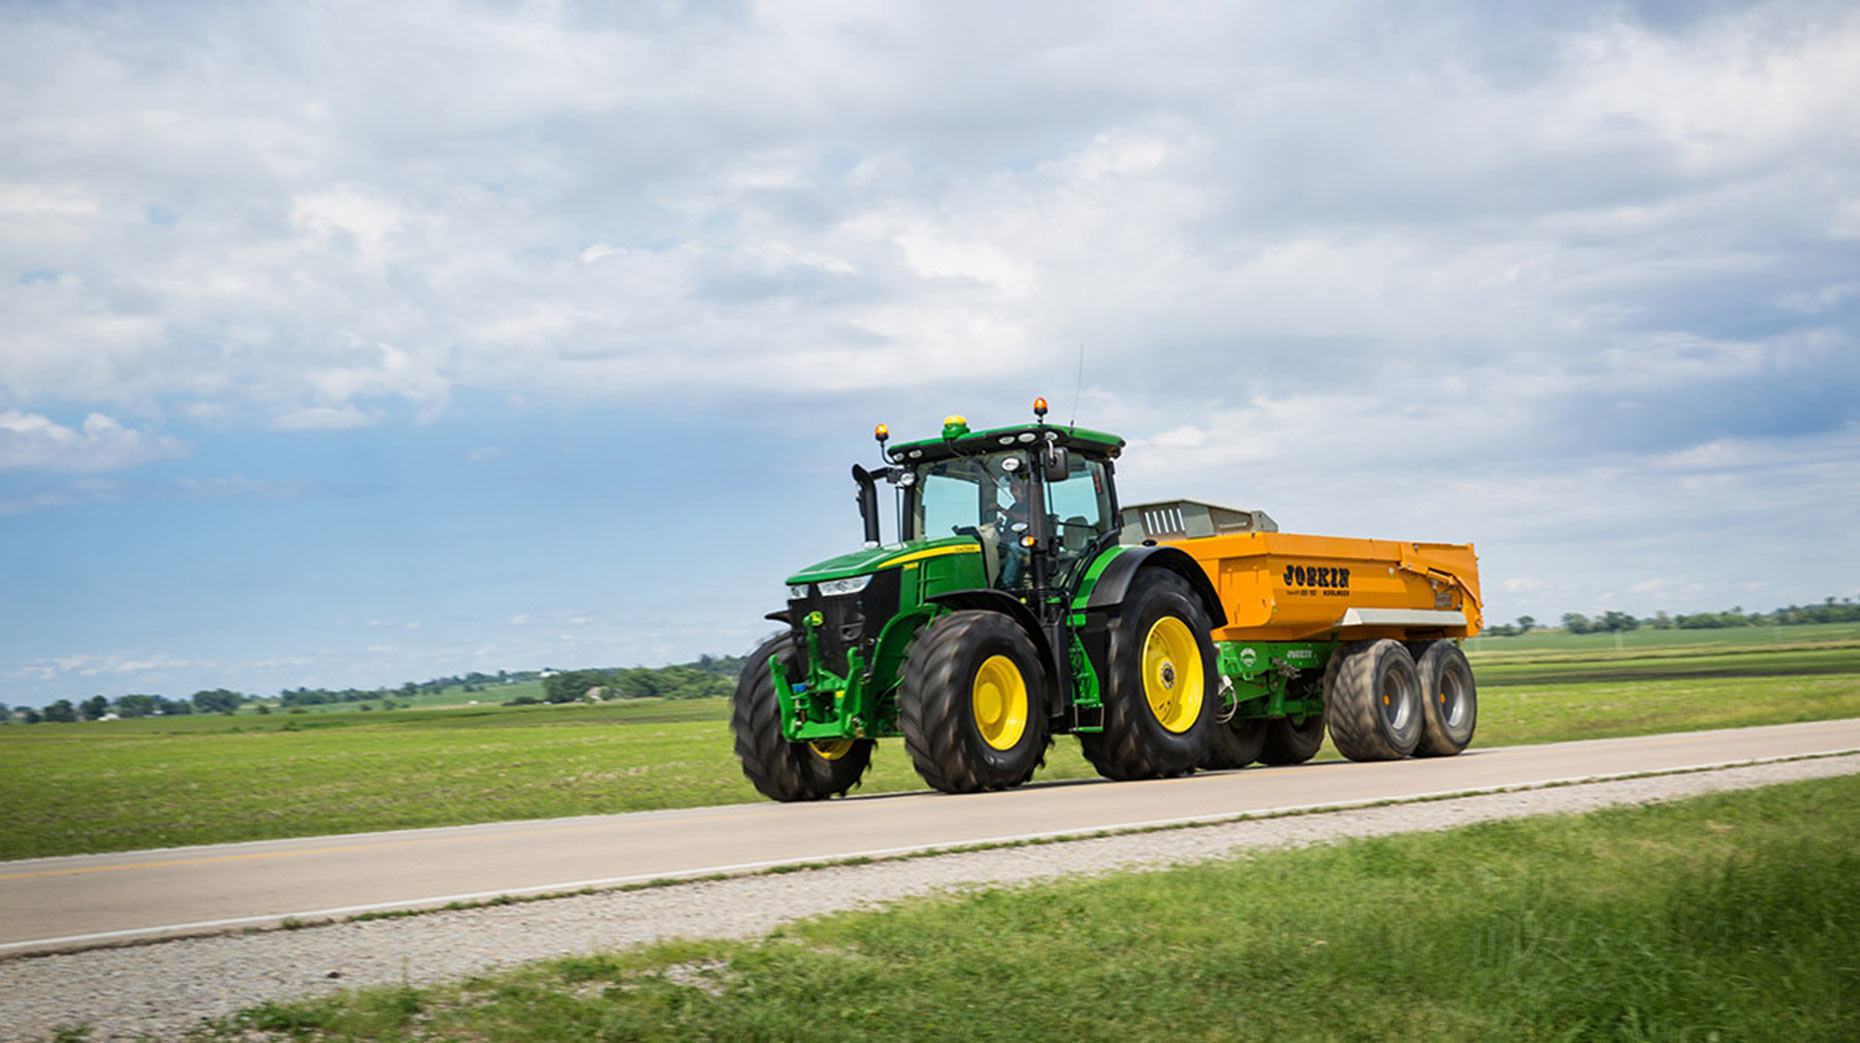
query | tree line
(470,682)
(708,677)
(1846,610)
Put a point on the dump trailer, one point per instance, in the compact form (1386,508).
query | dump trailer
(1022,601)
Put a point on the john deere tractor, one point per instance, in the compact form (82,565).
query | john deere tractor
(1007,612)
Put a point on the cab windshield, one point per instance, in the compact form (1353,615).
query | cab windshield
(970,496)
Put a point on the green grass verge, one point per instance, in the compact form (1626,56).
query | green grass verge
(159,782)
(1734,916)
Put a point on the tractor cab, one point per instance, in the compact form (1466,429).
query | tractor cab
(1038,500)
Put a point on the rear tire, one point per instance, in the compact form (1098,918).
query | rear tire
(1449,700)
(1235,744)
(1372,701)
(779,769)
(1292,740)
(1159,704)
(972,704)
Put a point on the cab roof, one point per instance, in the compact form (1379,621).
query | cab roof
(1078,439)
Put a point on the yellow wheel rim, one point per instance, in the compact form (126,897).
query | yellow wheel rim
(999,700)
(831,749)
(1172,674)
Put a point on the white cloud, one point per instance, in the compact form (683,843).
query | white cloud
(93,664)
(100,443)
(321,418)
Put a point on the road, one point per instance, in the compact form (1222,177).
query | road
(72,902)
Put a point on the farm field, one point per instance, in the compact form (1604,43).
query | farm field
(156,782)
(1712,918)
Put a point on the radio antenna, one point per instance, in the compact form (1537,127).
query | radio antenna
(1074,422)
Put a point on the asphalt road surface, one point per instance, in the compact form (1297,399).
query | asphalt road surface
(82,900)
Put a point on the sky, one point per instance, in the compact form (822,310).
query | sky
(346,344)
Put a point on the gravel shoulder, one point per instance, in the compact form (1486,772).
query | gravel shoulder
(160,990)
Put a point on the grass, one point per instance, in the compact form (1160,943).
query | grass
(159,782)
(1720,917)
(1648,638)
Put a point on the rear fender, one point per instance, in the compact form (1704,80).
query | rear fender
(1114,582)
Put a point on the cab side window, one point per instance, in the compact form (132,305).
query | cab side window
(1080,511)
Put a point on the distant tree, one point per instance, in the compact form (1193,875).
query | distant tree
(1614,622)
(94,707)
(1577,623)
(175,707)
(60,712)
(6,715)
(1662,621)
(218,700)
(33,716)
(138,705)
(1526,624)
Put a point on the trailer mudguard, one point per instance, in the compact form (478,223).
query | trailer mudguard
(1114,581)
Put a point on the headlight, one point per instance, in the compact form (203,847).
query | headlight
(845,586)
(797,592)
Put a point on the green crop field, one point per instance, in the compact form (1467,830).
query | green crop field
(1648,638)
(1720,917)
(157,782)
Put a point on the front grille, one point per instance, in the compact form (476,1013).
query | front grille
(848,620)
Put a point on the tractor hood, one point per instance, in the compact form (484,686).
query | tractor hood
(860,562)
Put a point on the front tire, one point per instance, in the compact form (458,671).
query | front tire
(1449,700)
(1372,701)
(972,704)
(779,769)
(1159,706)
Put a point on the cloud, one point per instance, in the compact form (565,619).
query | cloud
(321,418)
(696,201)
(92,664)
(29,440)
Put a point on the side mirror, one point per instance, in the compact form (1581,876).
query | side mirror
(1055,464)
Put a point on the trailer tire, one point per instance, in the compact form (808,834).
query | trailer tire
(972,704)
(1292,740)
(1449,700)
(1159,703)
(1372,700)
(779,769)
(1235,744)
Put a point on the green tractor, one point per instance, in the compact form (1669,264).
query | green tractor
(1008,612)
